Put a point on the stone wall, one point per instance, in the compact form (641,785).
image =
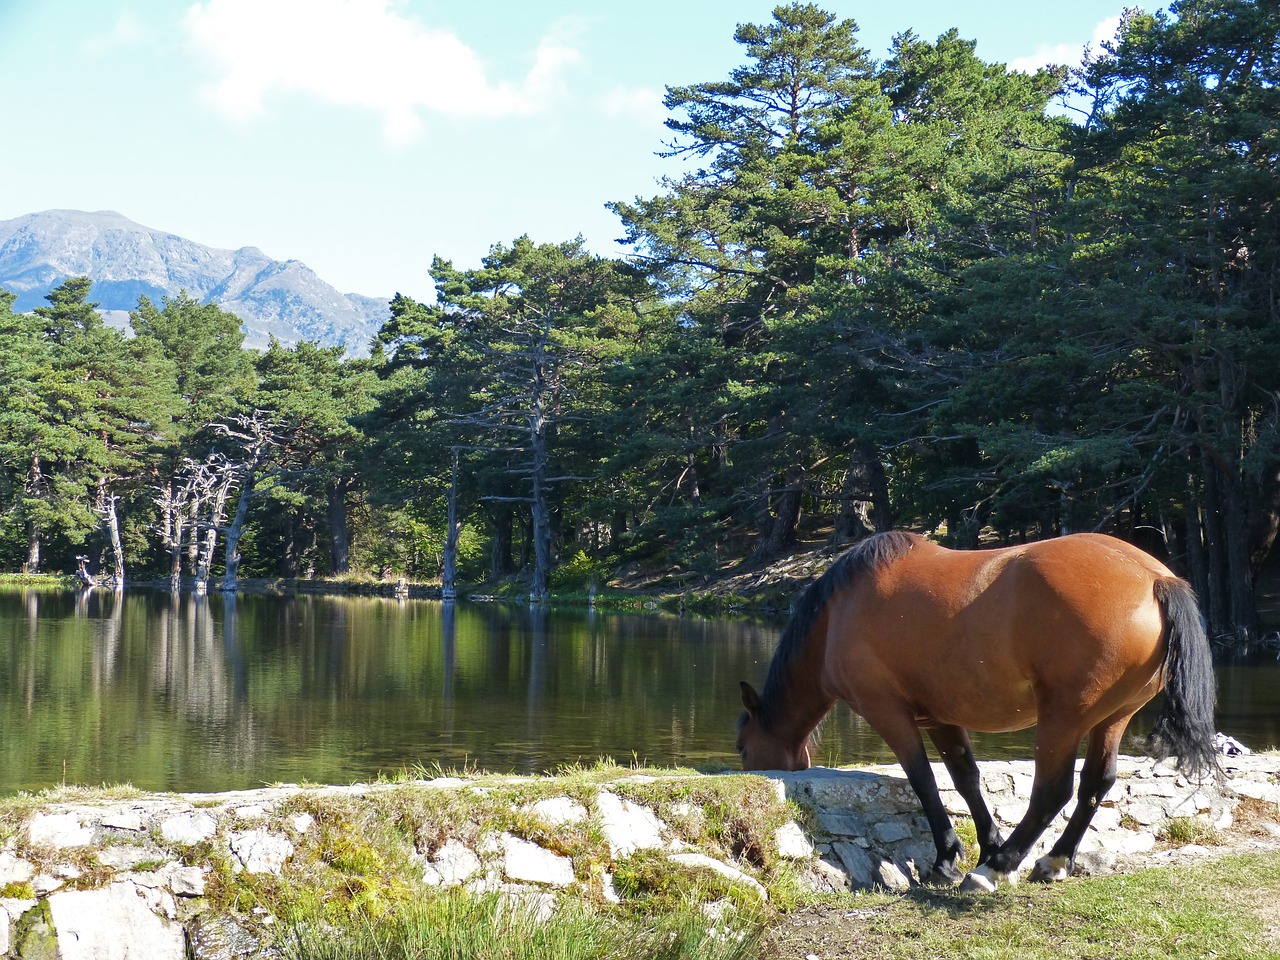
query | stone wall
(105,878)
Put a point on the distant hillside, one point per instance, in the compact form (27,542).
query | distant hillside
(125,260)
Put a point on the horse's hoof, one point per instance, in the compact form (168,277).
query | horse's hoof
(1050,869)
(943,875)
(986,880)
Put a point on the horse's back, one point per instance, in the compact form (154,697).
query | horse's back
(978,638)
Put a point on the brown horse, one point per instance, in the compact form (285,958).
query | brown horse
(1071,635)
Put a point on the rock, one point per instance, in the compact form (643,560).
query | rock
(732,873)
(891,877)
(558,811)
(302,822)
(454,863)
(179,880)
(14,869)
(188,829)
(529,862)
(112,924)
(791,842)
(891,831)
(1145,813)
(533,904)
(126,820)
(842,824)
(857,864)
(819,876)
(259,851)
(627,826)
(1098,863)
(121,857)
(58,830)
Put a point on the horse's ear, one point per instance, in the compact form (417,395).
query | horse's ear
(750,699)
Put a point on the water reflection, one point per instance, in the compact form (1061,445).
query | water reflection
(204,693)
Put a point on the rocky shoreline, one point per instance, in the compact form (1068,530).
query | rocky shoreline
(108,876)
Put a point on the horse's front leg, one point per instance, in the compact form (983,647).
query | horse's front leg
(957,753)
(900,732)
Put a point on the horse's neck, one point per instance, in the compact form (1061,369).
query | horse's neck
(801,703)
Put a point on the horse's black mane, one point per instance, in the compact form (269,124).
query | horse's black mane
(871,554)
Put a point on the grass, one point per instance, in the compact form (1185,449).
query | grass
(458,925)
(1226,908)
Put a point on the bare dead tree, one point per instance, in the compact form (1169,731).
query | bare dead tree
(258,436)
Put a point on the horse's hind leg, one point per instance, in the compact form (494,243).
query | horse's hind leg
(1096,778)
(1055,773)
(957,753)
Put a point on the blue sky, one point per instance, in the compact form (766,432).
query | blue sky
(363,137)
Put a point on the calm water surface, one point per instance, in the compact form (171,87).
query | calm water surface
(222,693)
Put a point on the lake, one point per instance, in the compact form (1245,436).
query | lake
(219,693)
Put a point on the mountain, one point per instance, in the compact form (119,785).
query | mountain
(125,260)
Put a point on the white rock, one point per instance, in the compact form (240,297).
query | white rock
(259,851)
(177,879)
(791,842)
(890,876)
(121,857)
(529,862)
(558,811)
(112,924)
(125,820)
(302,822)
(454,863)
(725,870)
(58,830)
(188,828)
(532,904)
(627,826)
(14,869)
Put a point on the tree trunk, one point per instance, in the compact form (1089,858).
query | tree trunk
(31,566)
(539,590)
(1244,613)
(235,531)
(340,540)
(865,498)
(1197,565)
(210,540)
(290,561)
(500,549)
(1215,565)
(786,518)
(617,530)
(448,580)
(34,485)
(117,548)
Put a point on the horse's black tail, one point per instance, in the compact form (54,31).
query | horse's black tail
(1185,727)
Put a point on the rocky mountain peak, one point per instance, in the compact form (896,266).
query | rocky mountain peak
(126,260)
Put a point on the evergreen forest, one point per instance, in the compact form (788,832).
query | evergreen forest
(922,291)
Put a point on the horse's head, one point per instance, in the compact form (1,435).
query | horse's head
(762,749)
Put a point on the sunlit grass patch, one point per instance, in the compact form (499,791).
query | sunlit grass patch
(455,924)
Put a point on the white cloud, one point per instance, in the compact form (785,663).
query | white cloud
(1066,53)
(360,53)
(126,32)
